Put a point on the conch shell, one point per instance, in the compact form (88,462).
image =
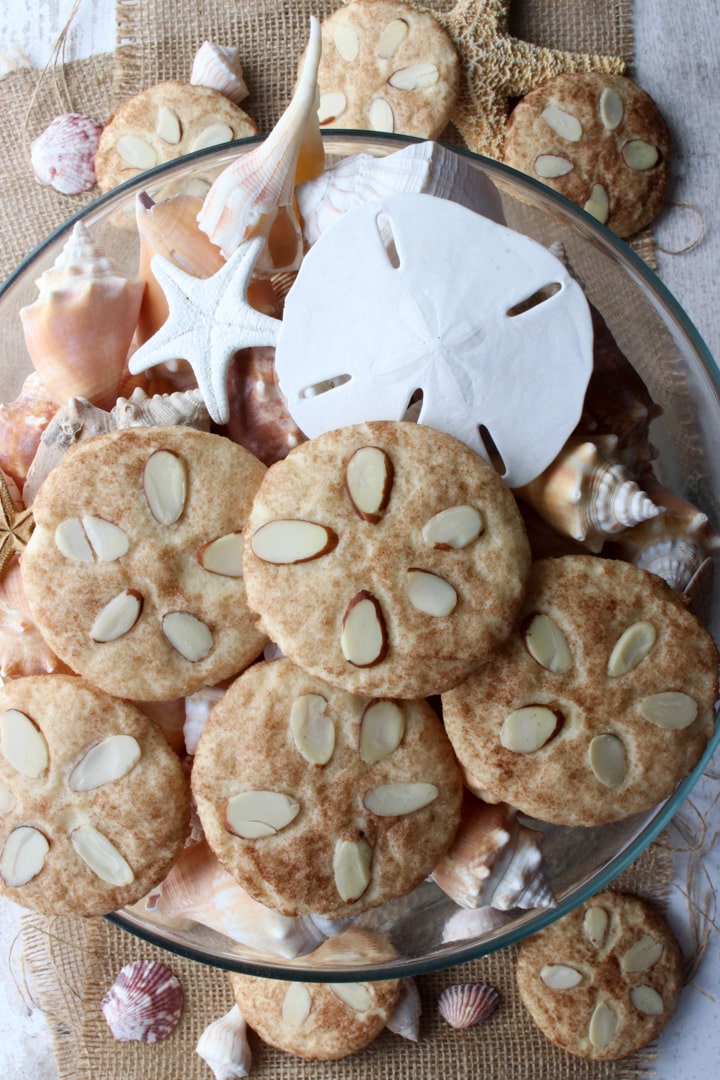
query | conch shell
(494,861)
(22,423)
(23,650)
(255,195)
(79,329)
(259,417)
(587,494)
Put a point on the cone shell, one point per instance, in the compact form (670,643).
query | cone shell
(255,195)
(144,1003)
(218,66)
(22,423)
(464,1006)
(79,329)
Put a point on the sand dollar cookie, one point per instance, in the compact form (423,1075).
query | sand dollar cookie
(321,1021)
(134,572)
(597,139)
(162,123)
(602,701)
(603,981)
(94,804)
(387,558)
(320,801)
(386,67)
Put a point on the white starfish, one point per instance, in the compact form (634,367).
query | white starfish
(209,319)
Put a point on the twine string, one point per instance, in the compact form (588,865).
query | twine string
(55,66)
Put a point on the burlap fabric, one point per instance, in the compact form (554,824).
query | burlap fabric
(71,963)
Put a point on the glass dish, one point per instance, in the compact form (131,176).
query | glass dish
(662,344)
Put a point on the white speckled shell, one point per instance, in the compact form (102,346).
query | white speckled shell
(144,1003)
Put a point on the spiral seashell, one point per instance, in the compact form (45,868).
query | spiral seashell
(23,650)
(79,329)
(22,423)
(224,1046)
(465,1005)
(76,421)
(405,1020)
(218,66)
(63,156)
(259,418)
(144,1003)
(254,195)
(586,494)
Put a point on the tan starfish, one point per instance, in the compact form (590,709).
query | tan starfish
(15,525)
(496,67)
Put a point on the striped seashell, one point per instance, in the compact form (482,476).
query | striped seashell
(144,1003)
(465,1005)
(224,1046)
(218,66)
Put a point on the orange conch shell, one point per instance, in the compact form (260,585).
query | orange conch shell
(79,329)
(22,423)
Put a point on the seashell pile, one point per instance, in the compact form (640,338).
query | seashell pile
(144,1003)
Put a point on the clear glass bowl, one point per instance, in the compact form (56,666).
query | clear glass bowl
(664,347)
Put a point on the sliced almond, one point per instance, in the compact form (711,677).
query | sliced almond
(562,123)
(104,762)
(611,109)
(560,976)
(287,541)
(117,617)
(430,593)
(101,855)
(607,759)
(313,731)
(382,727)
(23,856)
(357,996)
(71,541)
(332,104)
(136,151)
(255,814)
(631,648)
(109,542)
(188,635)
(603,1025)
(598,204)
(415,77)
(165,485)
(364,638)
(671,710)
(391,38)
(212,135)
(296,1005)
(394,799)
(223,556)
(453,528)
(647,1000)
(351,867)
(595,926)
(7,798)
(643,954)
(22,744)
(381,116)
(547,644)
(550,166)
(368,478)
(167,125)
(346,41)
(640,155)
(526,730)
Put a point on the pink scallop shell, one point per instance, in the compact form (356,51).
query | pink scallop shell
(63,156)
(144,1003)
(465,1005)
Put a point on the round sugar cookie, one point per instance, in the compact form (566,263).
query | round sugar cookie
(321,1021)
(320,801)
(597,139)
(162,123)
(95,806)
(603,981)
(601,702)
(133,572)
(387,67)
(387,558)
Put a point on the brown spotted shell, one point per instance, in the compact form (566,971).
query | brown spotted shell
(468,1004)
(144,1003)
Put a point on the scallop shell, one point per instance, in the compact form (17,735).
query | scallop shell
(587,494)
(63,156)
(224,1046)
(144,1003)
(422,168)
(23,650)
(79,329)
(254,195)
(22,423)
(468,1004)
(219,67)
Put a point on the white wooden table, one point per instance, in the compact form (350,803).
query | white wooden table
(677,62)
